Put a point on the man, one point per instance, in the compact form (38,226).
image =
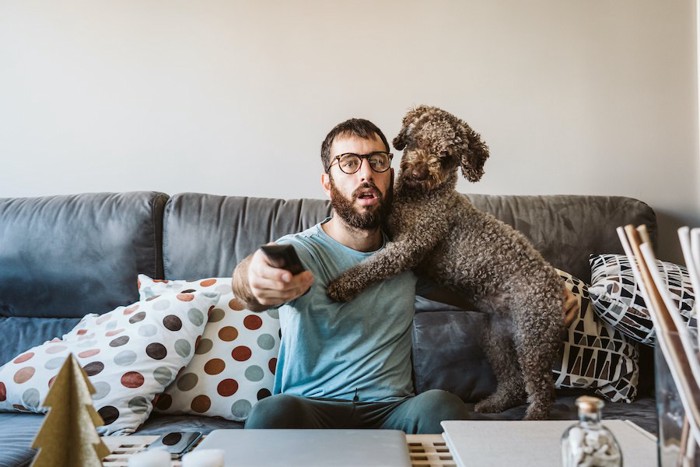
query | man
(346,365)
(343,365)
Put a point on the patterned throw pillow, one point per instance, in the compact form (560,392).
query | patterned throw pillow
(595,355)
(234,362)
(130,355)
(618,300)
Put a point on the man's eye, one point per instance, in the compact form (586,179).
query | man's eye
(350,164)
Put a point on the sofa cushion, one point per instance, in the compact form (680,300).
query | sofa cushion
(130,355)
(594,354)
(17,431)
(226,229)
(20,334)
(235,360)
(91,246)
(568,228)
(208,235)
(619,302)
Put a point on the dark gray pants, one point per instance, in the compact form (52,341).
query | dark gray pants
(413,415)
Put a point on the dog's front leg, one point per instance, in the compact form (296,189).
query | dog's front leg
(394,259)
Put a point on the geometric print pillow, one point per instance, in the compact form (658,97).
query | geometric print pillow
(618,300)
(235,360)
(129,354)
(595,355)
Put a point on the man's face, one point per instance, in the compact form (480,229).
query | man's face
(359,199)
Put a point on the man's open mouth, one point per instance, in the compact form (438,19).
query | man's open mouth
(367,196)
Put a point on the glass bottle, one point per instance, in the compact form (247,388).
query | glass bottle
(588,443)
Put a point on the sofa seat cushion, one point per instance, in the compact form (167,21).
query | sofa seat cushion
(642,412)
(18,431)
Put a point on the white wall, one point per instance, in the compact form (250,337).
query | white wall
(234,97)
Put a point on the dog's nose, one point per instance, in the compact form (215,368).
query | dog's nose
(420,172)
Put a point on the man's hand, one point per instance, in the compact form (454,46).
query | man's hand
(571,307)
(262,285)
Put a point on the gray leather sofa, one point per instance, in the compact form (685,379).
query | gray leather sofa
(62,257)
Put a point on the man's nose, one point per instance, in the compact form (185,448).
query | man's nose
(366,171)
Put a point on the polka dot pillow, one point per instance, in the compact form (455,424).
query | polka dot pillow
(234,362)
(594,354)
(130,355)
(619,302)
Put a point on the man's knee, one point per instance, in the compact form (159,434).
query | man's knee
(423,413)
(279,411)
(443,403)
(437,406)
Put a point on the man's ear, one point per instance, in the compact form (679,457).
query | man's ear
(326,183)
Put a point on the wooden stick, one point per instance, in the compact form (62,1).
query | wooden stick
(695,244)
(621,233)
(644,234)
(685,434)
(668,337)
(693,267)
(675,314)
(654,302)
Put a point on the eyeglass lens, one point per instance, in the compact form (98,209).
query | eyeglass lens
(351,163)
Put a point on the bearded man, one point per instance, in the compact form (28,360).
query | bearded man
(343,365)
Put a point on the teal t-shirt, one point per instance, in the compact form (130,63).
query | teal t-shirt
(341,350)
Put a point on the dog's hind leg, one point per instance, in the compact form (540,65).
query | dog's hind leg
(501,354)
(537,343)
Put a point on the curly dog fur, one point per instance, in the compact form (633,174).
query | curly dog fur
(436,231)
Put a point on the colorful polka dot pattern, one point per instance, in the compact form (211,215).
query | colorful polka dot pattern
(129,354)
(235,360)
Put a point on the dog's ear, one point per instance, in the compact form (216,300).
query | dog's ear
(399,141)
(407,126)
(475,156)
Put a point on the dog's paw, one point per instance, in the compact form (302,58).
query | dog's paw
(536,412)
(338,292)
(494,404)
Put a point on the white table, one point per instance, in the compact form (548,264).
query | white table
(425,450)
(493,443)
(486,443)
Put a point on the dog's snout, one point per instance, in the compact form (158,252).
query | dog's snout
(420,172)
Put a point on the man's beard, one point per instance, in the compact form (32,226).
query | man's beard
(365,220)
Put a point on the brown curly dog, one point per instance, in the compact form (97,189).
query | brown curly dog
(436,231)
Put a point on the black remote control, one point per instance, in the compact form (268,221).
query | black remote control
(284,256)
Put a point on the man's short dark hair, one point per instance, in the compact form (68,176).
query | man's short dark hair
(354,127)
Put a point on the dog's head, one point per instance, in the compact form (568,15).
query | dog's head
(436,143)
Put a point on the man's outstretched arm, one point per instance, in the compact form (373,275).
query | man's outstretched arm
(262,285)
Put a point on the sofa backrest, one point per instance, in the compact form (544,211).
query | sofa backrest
(566,229)
(206,235)
(62,257)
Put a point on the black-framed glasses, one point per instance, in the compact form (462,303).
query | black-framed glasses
(349,162)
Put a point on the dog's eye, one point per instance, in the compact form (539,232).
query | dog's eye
(446,161)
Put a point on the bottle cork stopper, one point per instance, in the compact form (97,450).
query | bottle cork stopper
(589,404)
